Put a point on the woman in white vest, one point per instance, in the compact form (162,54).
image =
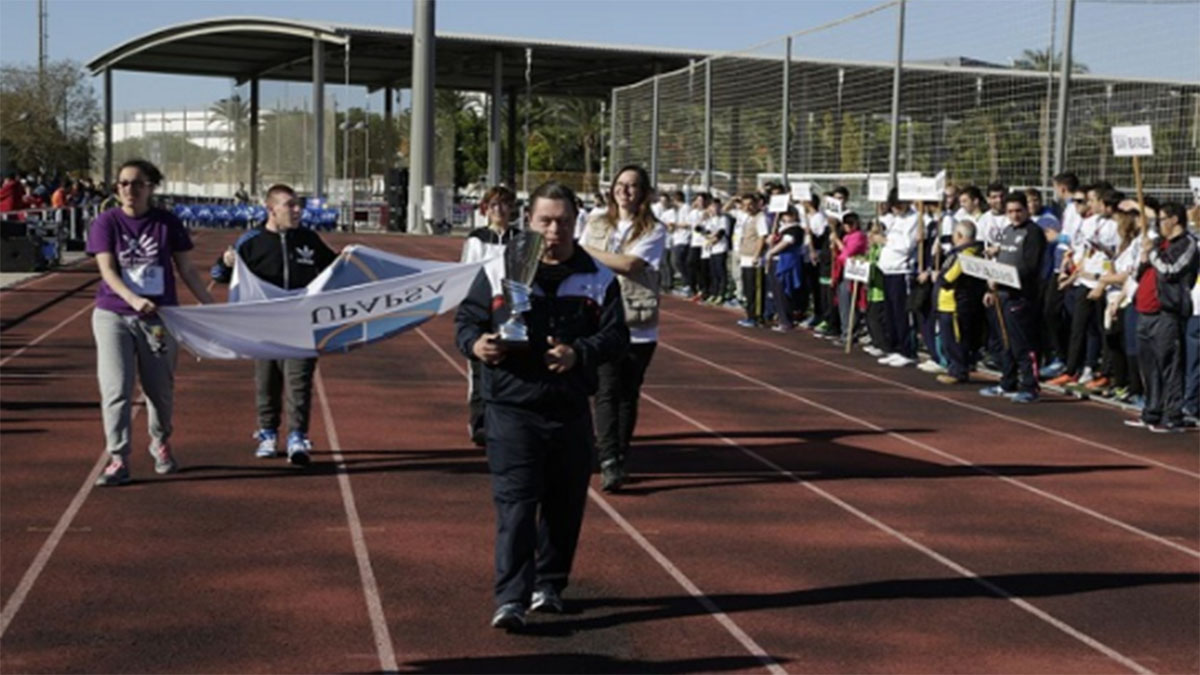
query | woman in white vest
(629,241)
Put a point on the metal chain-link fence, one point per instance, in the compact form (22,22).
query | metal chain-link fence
(979,97)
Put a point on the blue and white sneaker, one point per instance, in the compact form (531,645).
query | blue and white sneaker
(266,443)
(1024,397)
(995,391)
(298,447)
(1053,369)
(747,323)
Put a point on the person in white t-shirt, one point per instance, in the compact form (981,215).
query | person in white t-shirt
(697,264)
(1091,250)
(992,223)
(897,262)
(667,215)
(816,295)
(752,242)
(680,236)
(629,241)
(717,239)
(1065,186)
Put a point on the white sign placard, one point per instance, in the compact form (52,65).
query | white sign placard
(1132,141)
(857,269)
(779,203)
(990,270)
(834,207)
(1194,183)
(877,189)
(802,192)
(920,189)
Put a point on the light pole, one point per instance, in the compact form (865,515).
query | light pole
(348,184)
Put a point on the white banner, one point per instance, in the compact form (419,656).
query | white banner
(990,270)
(365,296)
(1132,141)
(857,269)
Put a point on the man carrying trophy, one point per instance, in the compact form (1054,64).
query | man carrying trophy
(540,333)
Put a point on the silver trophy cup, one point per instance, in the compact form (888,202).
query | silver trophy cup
(521,257)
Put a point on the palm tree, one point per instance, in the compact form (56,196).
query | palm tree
(582,116)
(234,113)
(1039,60)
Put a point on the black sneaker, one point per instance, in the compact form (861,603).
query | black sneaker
(612,475)
(547,601)
(510,616)
(479,438)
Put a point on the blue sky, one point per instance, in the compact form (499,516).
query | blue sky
(1129,38)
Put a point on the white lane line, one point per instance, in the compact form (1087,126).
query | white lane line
(709,606)
(45,335)
(947,399)
(383,639)
(959,569)
(693,590)
(43,555)
(942,453)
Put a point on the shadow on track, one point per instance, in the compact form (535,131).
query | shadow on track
(634,610)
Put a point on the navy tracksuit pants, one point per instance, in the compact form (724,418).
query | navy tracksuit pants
(540,469)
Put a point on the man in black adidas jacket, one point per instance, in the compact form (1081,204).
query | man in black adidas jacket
(288,256)
(537,420)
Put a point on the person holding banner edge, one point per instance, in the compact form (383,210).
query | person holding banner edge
(137,247)
(286,255)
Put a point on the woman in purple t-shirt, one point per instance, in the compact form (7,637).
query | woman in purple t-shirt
(138,248)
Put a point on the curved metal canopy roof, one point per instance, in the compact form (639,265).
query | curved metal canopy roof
(268,48)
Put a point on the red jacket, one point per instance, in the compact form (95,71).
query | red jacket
(12,195)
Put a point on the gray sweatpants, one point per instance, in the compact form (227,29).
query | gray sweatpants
(270,378)
(126,345)
(1160,358)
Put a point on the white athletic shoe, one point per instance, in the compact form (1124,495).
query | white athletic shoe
(931,366)
(873,351)
(901,361)
(887,360)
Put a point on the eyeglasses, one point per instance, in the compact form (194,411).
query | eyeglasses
(132,183)
(1078,200)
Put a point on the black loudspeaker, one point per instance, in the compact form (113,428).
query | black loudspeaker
(21,255)
(397,197)
(11,229)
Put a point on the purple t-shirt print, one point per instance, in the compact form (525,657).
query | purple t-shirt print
(142,247)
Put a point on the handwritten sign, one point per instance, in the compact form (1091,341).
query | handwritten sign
(833,207)
(990,270)
(1132,141)
(802,192)
(877,189)
(920,189)
(779,203)
(857,269)
(1194,183)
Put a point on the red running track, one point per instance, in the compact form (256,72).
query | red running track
(793,509)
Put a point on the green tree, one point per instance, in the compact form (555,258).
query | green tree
(47,122)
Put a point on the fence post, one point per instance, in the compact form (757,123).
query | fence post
(612,135)
(894,147)
(654,133)
(786,130)
(708,139)
(1064,84)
